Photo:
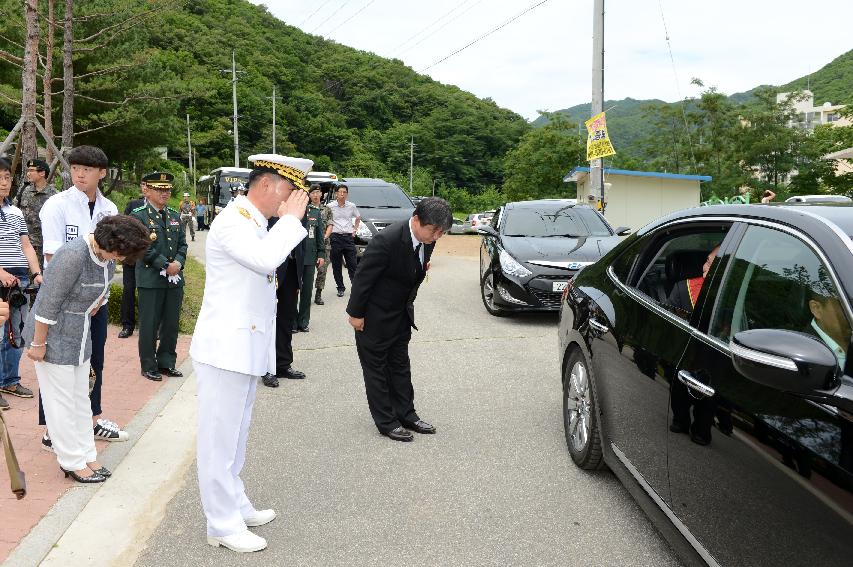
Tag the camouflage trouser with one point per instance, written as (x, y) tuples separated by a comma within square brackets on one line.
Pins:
[(320, 282), (187, 221)]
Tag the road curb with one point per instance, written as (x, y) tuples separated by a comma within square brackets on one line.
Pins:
[(147, 471)]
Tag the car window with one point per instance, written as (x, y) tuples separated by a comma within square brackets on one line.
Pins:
[(554, 220), (776, 281), (496, 219), (378, 197)]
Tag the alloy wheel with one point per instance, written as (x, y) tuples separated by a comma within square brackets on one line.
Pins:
[(578, 407)]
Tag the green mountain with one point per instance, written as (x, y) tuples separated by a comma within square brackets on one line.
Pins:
[(353, 112), (628, 127)]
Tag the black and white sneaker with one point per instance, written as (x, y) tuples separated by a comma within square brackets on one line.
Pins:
[(109, 431), (46, 443)]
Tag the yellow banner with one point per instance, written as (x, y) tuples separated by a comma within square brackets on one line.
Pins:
[(597, 142)]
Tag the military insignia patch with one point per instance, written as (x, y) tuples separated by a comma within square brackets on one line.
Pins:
[(153, 236)]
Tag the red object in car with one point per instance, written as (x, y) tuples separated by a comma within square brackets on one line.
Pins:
[(473, 222)]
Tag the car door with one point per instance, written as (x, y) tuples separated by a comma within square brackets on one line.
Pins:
[(637, 343), (764, 476)]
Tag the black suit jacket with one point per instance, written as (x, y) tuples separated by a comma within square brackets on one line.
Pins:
[(298, 256), (387, 281)]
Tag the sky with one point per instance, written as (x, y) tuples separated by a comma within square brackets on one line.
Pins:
[(543, 59)]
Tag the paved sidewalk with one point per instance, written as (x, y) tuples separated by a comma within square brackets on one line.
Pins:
[(125, 392)]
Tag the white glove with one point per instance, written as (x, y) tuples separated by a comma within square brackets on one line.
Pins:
[(172, 279)]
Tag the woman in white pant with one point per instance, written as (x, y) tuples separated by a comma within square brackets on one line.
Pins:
[(75, 283)]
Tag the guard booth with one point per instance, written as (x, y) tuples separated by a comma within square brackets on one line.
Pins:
[(635, 198)]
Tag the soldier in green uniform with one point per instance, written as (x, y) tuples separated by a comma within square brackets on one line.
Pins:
[(32, 197), (315, 252), (160, 279), (326, 217)]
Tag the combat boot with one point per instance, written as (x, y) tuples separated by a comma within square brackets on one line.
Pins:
[(318, 298)]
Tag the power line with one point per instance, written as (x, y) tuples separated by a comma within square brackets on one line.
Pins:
[(330, 18), (447, 23), (363, 8), (677, 88), (424, 29), (485, 35), (320, 7)]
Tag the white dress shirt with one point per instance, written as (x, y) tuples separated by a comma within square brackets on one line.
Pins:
[(415, 243)]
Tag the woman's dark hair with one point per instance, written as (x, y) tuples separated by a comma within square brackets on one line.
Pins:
[(123, 235), (766, 193), (88, 156)]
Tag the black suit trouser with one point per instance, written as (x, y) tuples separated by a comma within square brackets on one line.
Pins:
[(285, 318), (387, 378), (343, 251), (128, 296)]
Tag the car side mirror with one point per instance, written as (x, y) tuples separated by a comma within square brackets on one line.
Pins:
[(784, 360), (488, 230), (622, 231)]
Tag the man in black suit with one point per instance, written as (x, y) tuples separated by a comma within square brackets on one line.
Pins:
[(128, 280), (289, 276), (381, 310)]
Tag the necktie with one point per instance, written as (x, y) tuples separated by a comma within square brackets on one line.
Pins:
[(164, 217), (418, 254)]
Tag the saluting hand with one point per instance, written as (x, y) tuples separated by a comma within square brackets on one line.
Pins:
[(295, 205)]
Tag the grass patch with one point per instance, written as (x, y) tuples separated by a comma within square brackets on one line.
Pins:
[(193, 292)]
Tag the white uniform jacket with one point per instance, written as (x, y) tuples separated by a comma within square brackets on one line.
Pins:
[(235, 329), (65, 216)]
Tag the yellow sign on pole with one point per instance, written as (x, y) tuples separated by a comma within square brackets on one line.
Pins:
[(597, 142)]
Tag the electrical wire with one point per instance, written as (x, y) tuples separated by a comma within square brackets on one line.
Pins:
[(363, 8), (330, 18), (320, 7), (677, 88), (447, 23), (485, 35), (431, 24)]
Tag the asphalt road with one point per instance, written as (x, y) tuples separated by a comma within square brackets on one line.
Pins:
[(495, 486)]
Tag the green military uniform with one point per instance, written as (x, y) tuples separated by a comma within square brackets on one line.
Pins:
[(30, 200), (326, 217), (159, 299), (315, 247)]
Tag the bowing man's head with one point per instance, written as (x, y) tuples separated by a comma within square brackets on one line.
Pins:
[(431, 219)]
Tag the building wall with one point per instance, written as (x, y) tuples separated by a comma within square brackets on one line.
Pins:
[(636, 201)]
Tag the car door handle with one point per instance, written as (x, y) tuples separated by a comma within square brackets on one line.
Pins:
[(688, 380), (598, 327)]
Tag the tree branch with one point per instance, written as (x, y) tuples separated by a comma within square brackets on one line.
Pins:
[(121, 25), (10, 99), (103, 71), (127, 99), (101, 127), (11, 58)]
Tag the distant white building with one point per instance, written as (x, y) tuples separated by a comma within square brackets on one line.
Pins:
[(809, 115)]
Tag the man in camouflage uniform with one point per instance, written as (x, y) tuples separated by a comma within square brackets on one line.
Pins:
[(187, 209), (315, 252), (320, 283), (32, 197), (160, 279)]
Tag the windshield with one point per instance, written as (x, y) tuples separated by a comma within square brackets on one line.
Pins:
[(556, 220), (227, 181), (378, 197)]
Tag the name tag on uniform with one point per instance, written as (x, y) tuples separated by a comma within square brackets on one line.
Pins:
[(311, 231), (174, 223)]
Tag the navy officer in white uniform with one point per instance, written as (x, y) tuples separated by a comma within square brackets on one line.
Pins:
[(234, 339)]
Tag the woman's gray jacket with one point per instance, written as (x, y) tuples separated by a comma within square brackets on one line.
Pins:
[(75, 283)]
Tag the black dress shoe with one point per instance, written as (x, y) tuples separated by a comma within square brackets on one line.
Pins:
[(173, 372), (341, 292), (678, 427), (399, 434), (151, 375), (292, 374), (420, 426), (270, 380), (125, 332), (302, 329)]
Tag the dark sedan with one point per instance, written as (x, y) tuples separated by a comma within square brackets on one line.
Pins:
[(531, 249), (705, 361)]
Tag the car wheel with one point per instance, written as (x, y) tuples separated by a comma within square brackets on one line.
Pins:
[(580, 414), (487, 292)]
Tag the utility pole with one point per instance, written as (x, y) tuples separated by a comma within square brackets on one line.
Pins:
[(234, 96), (596, 166), (411, 163), (190, 152), (273, 119)]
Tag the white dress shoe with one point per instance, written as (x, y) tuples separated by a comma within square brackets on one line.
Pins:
[(243, 542), (259, 518)]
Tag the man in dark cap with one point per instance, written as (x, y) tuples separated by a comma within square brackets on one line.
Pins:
[(32, 197), (160, 279)]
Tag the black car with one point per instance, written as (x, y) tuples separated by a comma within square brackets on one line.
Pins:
[(531, 249), (380, 204), (723, 402)]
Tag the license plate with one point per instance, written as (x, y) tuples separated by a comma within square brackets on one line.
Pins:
[(559, 286)]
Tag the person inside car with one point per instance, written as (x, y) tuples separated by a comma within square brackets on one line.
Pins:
[(829, 324), (685, 293)]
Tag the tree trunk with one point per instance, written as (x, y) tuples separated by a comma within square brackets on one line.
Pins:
[(29, 146), (68, 84), (48, 75)]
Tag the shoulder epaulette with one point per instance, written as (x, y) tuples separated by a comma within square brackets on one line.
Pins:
[(142, 208), (171, 209)]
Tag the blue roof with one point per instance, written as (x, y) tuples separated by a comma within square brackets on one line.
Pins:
[(608, 171)]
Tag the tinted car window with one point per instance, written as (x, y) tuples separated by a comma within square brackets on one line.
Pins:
[(378, 197), (776, 281), (559, 220)]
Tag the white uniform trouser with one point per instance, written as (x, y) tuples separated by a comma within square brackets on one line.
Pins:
[(225, 401), (68, 412)]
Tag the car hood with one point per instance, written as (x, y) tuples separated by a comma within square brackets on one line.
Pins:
[(583, 249), (385, 215)]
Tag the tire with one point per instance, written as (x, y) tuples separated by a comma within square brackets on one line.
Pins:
[(487, 293), (580, 414)]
